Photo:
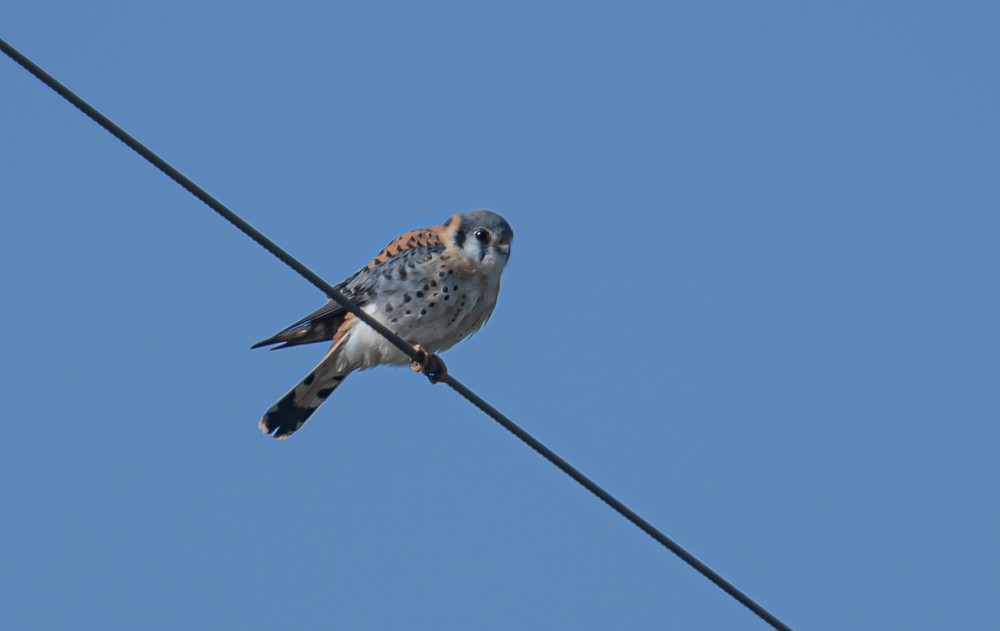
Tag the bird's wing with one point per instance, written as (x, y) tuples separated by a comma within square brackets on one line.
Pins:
[(403, 253)]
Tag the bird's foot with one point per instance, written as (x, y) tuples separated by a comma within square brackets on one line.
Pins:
[(430, 365)]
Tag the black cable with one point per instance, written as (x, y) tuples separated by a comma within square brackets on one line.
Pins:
[(208, 199), (616, 504), (397, 341)]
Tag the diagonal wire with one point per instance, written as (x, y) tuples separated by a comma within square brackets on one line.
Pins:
[(397, 341)]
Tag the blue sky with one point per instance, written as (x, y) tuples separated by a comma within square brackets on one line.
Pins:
[(753, 293)]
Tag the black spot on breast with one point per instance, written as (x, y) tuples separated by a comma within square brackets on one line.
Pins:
[(458, 312), (454, 287), (406, 298), (434, 283), (447, 297), (394, 320), (441, 274), (426, 286), (420, 294), (388, 308), (430, 304), (423, 312), (407, 312), (402, 273)]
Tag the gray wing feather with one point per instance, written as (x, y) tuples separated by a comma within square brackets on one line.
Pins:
[(321, 324), (385, 276)]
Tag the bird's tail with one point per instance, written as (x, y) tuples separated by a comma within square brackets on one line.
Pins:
[(292, 410)]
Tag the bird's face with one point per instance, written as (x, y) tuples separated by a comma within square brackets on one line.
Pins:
[(483, 237)]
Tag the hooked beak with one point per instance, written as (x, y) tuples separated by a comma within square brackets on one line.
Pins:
[(502, 247)]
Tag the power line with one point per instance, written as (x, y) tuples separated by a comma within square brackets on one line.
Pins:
[(397, 341)]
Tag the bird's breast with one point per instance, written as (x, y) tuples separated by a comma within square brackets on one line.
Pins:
[(436, 306)]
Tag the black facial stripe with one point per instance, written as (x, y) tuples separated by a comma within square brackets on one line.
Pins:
[(460, 239)]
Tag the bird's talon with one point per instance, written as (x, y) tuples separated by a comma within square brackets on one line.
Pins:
[(421, 364), (430, 365), (436, 370)]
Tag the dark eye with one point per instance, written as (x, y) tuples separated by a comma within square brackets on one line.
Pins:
[(482, 235)]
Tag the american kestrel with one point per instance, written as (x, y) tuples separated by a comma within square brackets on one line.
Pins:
[(433, 286)]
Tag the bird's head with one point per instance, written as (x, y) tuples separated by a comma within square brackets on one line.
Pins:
[(482, 236)]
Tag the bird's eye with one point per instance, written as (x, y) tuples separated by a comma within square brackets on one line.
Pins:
[(482, 235)]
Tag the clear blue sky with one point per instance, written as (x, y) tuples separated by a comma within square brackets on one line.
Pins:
[(754, 293)]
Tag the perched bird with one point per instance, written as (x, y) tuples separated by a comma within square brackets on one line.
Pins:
[(433, 286)]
